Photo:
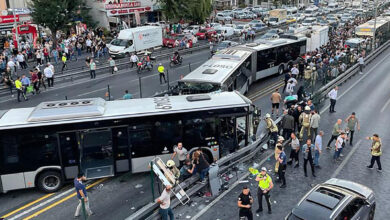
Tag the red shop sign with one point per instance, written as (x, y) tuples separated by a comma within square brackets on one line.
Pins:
[(8, 19), (123, 5)]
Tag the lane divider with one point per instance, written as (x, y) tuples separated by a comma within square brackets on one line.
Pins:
[(27, 205), (62, 200), (266, 90)]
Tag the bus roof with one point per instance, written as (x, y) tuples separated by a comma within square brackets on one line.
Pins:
[(367, 29), (217, 69), (94, 109)]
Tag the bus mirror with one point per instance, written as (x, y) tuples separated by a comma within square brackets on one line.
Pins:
[(257, 112)]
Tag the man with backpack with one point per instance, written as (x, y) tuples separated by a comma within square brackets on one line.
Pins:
[(305, 119)]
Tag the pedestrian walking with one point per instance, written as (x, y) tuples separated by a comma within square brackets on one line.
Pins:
[(277, 154), (376, 151), (318, 149), (282, 165), (315, 122), (20, 89), (48, 72), (35, 81), (296, 114), (287, 76), (276, 98), (245, 201), (81, 195), (333, 96), (127, 95), (294, 153), (287, 124), (335, 132), (361, 64), (41, 77), (92, 69), (112, 64), (308, 155), (290, 87), (265, 186), (25, 83), (295, 72), (181, 152), (64, 62), (161, 72), (352, 123), (134, 60), (339, 146)]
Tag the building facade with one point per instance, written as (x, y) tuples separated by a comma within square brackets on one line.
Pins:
[(113, 13)]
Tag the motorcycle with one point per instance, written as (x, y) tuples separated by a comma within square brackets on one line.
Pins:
[(175, 62), (143, 66)]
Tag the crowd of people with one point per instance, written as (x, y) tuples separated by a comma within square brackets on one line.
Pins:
[(42, 59)]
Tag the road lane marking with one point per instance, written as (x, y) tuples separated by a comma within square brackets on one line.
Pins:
[(353, 85), (87, 93), (340, 167), (384, 107), (272, 86), (204, 210), (267, 92), (45, 203), (27, 205)]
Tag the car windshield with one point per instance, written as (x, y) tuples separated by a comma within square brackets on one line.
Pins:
[(203, 31), (196, 88), (307, 21), (223, 45), (273, 19), (119, 42), (274, 31), (190, 28), (219, 31), (267, 35), (240, 27)]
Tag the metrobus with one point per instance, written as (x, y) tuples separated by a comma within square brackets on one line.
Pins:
[(48, 144), (236, 68), (367, 29)]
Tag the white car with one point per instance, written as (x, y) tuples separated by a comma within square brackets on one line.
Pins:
[(241, 28), (250, 15), (193, 29), (240, 15), (223, 17), (309, 21)]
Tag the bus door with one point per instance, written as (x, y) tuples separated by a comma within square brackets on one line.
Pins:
[(69, 154), (97, 158), (121, 149)]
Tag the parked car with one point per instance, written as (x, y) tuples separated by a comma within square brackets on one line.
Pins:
[(215, 25), (228, 13), (228, 32), (258, 27), (255, 22), (240, 15), (223, 17), (171, 39), (223, 45), (291, 19), (250, 15), (336, 199), (205, 33), (309, 21), (193, 29), (242, 28)]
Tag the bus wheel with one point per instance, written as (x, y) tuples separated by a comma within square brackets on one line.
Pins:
[(281, 70), (49, 181)]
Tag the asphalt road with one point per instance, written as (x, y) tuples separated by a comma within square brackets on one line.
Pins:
[(369, 96)]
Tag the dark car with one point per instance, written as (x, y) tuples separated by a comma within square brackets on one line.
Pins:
[(336, 199), (223, 45)]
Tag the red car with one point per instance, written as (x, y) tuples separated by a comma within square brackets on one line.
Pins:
[(205, 33), (170, 40)]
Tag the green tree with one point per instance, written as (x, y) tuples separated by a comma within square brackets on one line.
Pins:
[(195, 10), (56, 14), (172, 9), (199, 10)]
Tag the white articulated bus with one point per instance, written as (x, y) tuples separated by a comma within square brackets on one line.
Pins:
[(236, 68), (49, 144)]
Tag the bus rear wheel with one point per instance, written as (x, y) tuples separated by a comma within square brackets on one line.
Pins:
[(49, 181), (281, 70)]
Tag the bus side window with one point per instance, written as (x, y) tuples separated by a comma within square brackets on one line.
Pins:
[(227, 135), (166, 135), (141, 141), (9, 155), (241, 131)]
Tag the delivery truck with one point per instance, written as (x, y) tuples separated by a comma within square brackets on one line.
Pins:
[(277, 17), (135, 40)]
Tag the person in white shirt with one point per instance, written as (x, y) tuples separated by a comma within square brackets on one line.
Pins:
[(21, 60), (88, 43), (295, 72), (49, 75), (133, 60), (333, 96), (11, 64), (361, 63), (339, 146), (165, 204)]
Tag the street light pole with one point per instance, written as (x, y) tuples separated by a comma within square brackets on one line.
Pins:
[(16, 29), (374, 35)]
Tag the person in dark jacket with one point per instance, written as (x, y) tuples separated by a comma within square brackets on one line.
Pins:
[(201, 164), (296, 113), (287, 124)]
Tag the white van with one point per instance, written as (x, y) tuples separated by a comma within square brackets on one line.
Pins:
[(135, 39), (228, 32)]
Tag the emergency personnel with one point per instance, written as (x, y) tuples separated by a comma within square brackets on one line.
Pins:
[(376, 152), (272, 128), (265, 185), (175, 171), (305, 119), (245, 201), (161, 72)]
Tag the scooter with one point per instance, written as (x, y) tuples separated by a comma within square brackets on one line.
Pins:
[(178, 61), (143, 66)]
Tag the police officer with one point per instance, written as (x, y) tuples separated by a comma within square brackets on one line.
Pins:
[(265, 185), (282, 165), (245, 201), (161, 72)]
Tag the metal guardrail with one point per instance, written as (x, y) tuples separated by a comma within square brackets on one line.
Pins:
[(150, 211), (322, 93)]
